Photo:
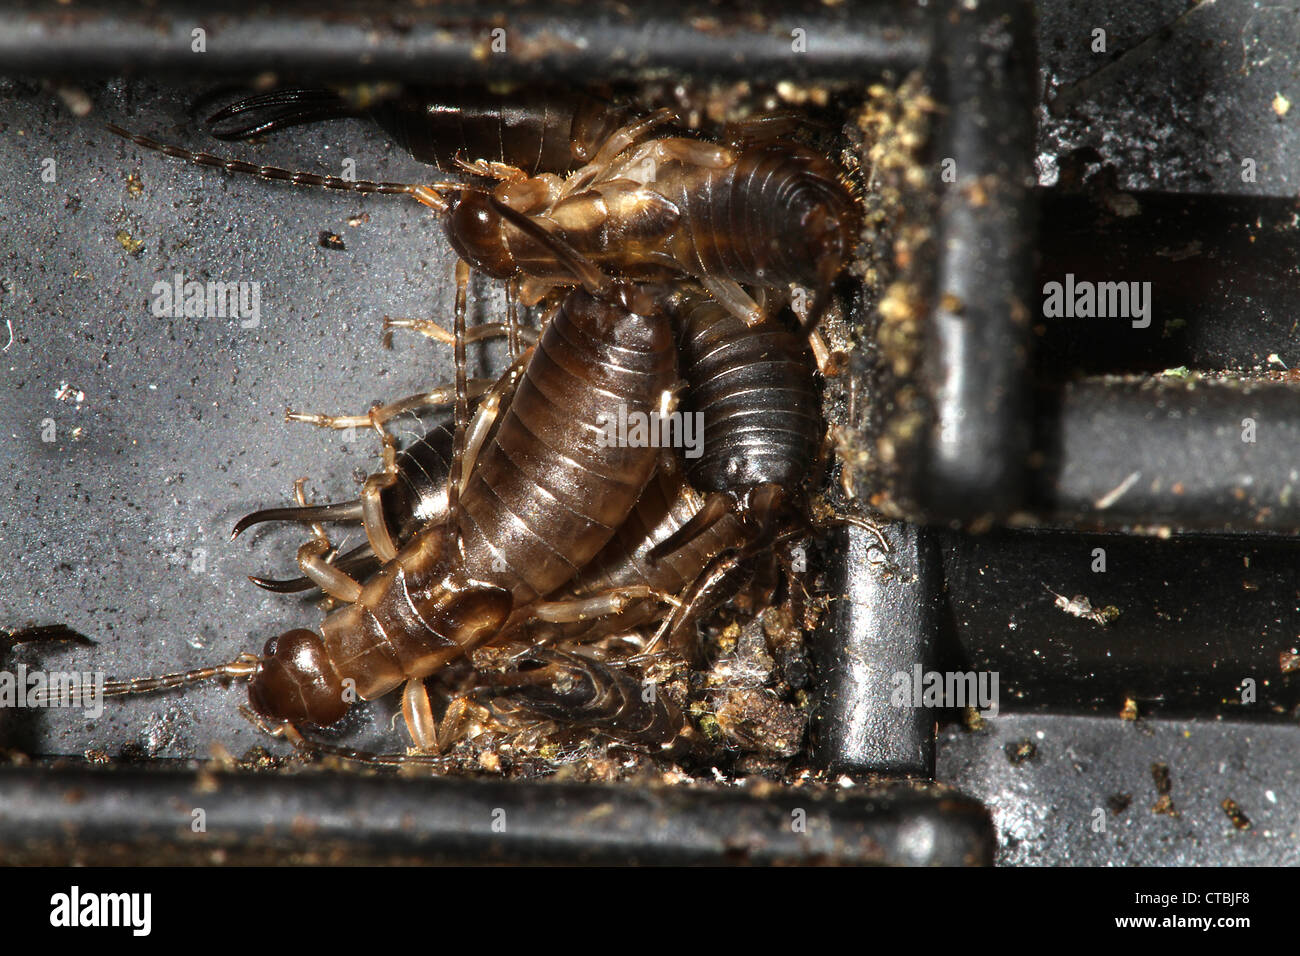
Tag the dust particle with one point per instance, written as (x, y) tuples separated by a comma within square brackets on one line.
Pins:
[(1239, 819), (129, 243)]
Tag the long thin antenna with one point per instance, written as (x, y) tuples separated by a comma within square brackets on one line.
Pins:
[(428, 195), (242, 667)]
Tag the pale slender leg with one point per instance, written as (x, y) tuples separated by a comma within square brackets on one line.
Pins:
[(418, 714), (734, 299), (439, 397), (475, 333), (602, 604), (313, 563)]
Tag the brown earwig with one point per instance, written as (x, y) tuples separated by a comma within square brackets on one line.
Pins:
[(653, 210), (644, 209), (543, 496), (529, 130)]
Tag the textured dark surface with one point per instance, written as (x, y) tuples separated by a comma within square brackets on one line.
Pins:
[(1199, 615), (99, 526), (180, 430), (884, 621), (1052, 782), (558, 40), (79, 816)]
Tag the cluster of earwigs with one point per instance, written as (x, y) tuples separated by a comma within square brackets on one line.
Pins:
[(665, 263)]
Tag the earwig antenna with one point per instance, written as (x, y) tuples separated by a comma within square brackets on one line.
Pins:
[(428, 195), (583, 269), (242, 667)]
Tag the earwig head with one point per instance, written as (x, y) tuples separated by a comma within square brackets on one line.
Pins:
[(297, 681), (474, 228)]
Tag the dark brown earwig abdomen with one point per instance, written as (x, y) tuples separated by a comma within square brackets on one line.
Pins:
[(777, 215), (548, 489), (419, 495), (667, 503), (757, 392), (535, 131)]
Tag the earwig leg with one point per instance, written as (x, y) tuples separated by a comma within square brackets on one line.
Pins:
[(485, 415), (716, 506), (856, 521), (418, 713), (436, 398), (698, 597), (603, 604), (626, 136), (475, 333), (490, 169), (372, 511), (459, 721), (359, 563), (327, 577), (825, 358), (317, 529), (734, 299), (693, 152)]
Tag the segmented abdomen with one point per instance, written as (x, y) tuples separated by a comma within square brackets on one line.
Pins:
[(548, 489), (758, 395), (777, 215), (536, 132), (667, 503)]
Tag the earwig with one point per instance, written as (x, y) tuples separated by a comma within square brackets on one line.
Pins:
[(530, 131), (766, 214), (656, 210), (755, 389), (577, 689), (543, 496)]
